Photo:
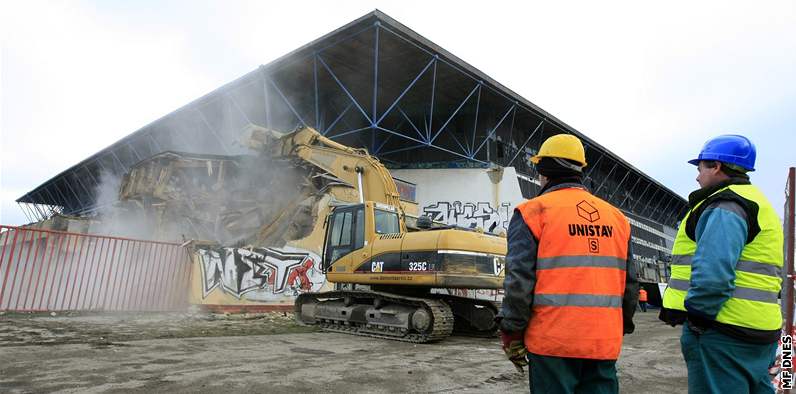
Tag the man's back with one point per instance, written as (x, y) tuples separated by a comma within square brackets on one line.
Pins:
[(581, 268)]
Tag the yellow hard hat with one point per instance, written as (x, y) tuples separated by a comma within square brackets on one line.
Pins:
[(564, 146)]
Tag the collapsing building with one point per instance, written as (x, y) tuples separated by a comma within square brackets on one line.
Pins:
[(459, 139)]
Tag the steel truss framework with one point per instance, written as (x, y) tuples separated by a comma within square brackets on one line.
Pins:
[(374, 84)]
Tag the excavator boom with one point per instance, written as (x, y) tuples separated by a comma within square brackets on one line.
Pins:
[(354, 166)]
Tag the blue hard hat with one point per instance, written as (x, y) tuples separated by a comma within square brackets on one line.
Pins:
[(731, 149)]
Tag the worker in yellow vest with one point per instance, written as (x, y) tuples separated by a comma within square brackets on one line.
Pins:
[(570, 287), (726, 264)]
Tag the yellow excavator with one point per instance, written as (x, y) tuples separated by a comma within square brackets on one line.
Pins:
[(385, 270)]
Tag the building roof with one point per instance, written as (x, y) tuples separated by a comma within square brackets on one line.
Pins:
[(373, 83)]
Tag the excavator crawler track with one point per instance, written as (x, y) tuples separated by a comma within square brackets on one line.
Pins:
[(472, 317), (377, 315)]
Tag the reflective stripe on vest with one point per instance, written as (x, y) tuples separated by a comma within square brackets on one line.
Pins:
[(581, 261), (578, 300), (743, 293), (753, 302), (744, 266), (580, 275)]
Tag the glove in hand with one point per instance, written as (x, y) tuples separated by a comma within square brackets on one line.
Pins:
[(514, 348)]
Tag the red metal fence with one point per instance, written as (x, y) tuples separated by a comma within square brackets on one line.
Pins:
[(790, 237), (43, 270)]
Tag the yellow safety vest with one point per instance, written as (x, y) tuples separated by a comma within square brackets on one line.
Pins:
[(753, 303)]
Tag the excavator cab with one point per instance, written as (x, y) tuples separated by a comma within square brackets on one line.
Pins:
[(345, 233), (352, 229)]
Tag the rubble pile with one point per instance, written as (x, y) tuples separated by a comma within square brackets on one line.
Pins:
[(231, 200)]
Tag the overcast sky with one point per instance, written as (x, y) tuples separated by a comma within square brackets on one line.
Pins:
[(649, 81)]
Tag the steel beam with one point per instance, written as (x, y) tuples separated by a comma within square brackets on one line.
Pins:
[(80, 182), (411, 123), (619, 186), (119, 162), (209, 128), (135, 152), (345, 90), (663, 211), (633, 208), (288, 102), (66, 201), (433, 92), (375, 73), (152, 141), (265, 79), (404, 149), (654, 208), (406, 90), (315, 81), (454, 113), (594, 166), (378, 149), (520, 149), (646, 206), (511, 126), (494, 129), (25, 211), (237, 106), (331, 126), (431, 145), (350, 132), (630, 191), (475, 123), (606, 178), (456, 140)]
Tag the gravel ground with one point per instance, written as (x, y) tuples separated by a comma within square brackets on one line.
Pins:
[(185, 352)]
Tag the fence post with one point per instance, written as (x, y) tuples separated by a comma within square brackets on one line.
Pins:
[(788, 303), (788, 290)]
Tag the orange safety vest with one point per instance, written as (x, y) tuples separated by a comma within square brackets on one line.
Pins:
[(642, 295), (580, 275)]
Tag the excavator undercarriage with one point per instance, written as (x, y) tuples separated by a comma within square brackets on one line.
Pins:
[(397, 317)]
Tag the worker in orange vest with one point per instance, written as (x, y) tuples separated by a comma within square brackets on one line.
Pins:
[(570, 287), (642, 299)]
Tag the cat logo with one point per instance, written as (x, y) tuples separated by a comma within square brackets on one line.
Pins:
[(377, 266)]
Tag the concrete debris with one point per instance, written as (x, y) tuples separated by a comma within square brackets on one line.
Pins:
[(230, 200)]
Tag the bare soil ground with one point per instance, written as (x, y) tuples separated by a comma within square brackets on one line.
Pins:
[(184, 352)]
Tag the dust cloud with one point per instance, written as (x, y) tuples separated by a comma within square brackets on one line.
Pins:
[(207, 184)]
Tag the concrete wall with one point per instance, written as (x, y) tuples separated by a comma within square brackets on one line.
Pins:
[(226, 277)]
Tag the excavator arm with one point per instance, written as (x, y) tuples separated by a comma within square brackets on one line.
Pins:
[(351, 165)]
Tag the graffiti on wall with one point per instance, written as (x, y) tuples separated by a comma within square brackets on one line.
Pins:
[(480, 294), (470, 214), (261, 274)]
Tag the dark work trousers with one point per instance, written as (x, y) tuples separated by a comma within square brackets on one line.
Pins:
[(718, 363), (571, 375), (643, 305)]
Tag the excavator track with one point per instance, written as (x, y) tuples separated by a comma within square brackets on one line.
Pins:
[(472, 317), (377, 315)]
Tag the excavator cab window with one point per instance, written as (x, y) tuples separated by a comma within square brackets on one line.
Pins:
[(387, 222), (345, 233)]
